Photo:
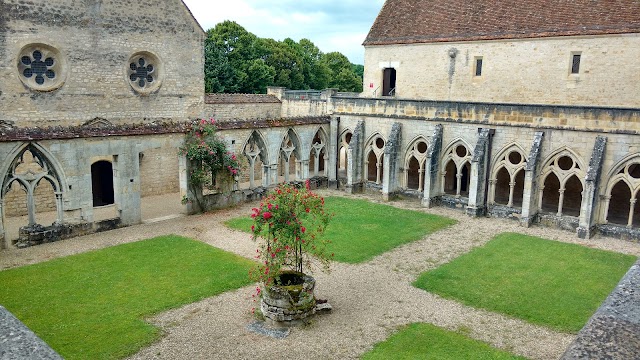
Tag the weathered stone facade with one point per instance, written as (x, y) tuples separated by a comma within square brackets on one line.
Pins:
[(523, 71)]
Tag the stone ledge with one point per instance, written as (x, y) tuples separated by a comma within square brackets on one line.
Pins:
[(18, 342), (614, 330), (170, 127)]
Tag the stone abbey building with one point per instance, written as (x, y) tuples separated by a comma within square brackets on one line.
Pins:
[(527, 110)]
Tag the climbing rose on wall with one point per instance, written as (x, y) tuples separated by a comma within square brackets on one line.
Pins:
[(208, 153)]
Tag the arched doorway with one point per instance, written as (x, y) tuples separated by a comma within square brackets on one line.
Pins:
[(102, 183)]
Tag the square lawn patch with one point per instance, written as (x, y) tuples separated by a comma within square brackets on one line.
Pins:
[(92, 305), (544, 282), (426, 341), (361, 230)]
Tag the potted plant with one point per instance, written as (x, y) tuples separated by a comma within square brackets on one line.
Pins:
[(289, 224)]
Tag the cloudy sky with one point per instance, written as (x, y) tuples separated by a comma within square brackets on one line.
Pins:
[(333, 25)]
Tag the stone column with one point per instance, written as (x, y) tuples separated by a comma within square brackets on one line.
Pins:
[(331, 154), (587, 226), (529, 200), (59, 205), (186, 191), (391, 160), (432, 168), (31, 204), (127, 186), (273, 174), (355, 163), (4, 240), (304, 169), (479, 169)]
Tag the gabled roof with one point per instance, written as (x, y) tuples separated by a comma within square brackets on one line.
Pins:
[(427, 21)]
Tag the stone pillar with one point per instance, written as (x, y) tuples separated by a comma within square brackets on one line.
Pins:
[(391, 181), (31, 203), (587, 226), (266, 175), (127, 187), (273, 174), (432, 168), (477, 205), (59, 210), (4, 240), (186, 190), (529, 198), (355, 164), (304, 169), (331, 153)]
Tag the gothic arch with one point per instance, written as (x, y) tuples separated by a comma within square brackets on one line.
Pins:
[(318, 160), (374, 157), (562, 172), (290, 148), (506, 184), (256, 152), (42, 166), (456, 168), (415, 163), (343, 151), (622, 192)]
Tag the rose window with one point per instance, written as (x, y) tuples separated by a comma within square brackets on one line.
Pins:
[(41, 67), (36, 66), (143, 72)]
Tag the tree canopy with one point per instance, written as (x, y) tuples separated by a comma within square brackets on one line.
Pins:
[(237, 61)]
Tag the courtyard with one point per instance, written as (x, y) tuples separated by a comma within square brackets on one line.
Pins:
[(370, 299)]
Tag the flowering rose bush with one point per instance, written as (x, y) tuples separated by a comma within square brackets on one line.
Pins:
[(290, 221), (210, 155)]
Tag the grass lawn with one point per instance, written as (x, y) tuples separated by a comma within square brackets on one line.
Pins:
[(92, 305), (361, 229), (541, 281), (426, 341)]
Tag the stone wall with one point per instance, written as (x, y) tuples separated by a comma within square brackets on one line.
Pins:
[(532, 71), (595, 119), (296, 108), (226, 107), (612, 332), (159, 168), (91, 46)]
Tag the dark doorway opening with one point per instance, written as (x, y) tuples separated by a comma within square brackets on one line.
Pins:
[(102, 183), (389, 82)]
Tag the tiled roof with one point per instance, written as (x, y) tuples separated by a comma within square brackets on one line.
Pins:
[(425, 21), (239, 99)]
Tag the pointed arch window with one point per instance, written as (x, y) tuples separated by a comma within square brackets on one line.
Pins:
[(29, 168)]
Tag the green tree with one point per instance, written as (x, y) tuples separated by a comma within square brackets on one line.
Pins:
[(237, 61), (343, 76)]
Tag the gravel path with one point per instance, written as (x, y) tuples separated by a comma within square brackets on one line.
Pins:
[(369, 300)]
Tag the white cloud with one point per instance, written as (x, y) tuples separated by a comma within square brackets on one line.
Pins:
[(333, 25)]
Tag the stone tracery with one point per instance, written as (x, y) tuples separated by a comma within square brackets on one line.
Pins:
[(562, 184), (456, 169), (506, 185), (374, 157), (414, 164), (622, 192)]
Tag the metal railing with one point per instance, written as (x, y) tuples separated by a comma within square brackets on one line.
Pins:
[(303, 95)]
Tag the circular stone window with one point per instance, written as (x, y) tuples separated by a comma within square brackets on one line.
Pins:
[(144, 72), (41, 67)]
